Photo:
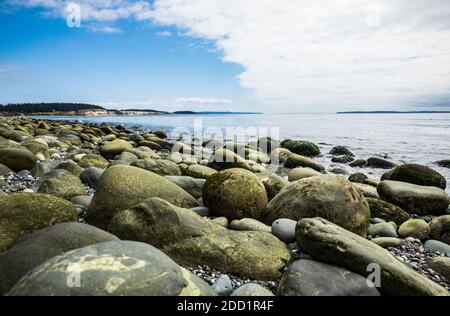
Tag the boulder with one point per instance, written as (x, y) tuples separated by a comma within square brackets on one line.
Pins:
[(199, 171), (367, 190), (300, 147), (17, 159), (341, 151), (249, 224), (301, 173), (328, 196), (118, 268), (116, 147), (223, 159), (357, 177), (387, 211), (441, 265), (191, 185), (91, 176), (92, 160), (121, 187), (61, 183), (416, 228), (376, 162), (414, 199), (31, 250), (440, 228), (444, 163), (333, 244), (312, 278), (71, 166), (22, 213), (160, 166), (437, 246), (416, 174), (267, 144), (192, 240), (387, 242), (235, 193), (294, 160), (272, 182)]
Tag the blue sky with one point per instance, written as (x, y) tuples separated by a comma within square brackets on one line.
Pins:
[(288, 56)]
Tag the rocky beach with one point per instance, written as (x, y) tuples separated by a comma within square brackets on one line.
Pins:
[(105, 209)]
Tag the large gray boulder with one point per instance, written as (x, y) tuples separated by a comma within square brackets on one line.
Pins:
[(31, 250), (328, 196), (312, 278), (415, 199), (333, 244), (111, 268), (192, 240), (121, 187)]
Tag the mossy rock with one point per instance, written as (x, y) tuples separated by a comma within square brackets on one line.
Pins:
[(17, 159), (121, 187), (414, 199), (32, 249), (341, 151), (223, 159), (416, 174), (301, 147), (61, 183), (294, 161), (440, 228), (70, 166), (118, 268), (161, 166), (387, 211), (193, 240), (193, 186), (328, 196), (22, 213), (199, 171), (235, 193), (272, 182), (116, 147), (92, 160)]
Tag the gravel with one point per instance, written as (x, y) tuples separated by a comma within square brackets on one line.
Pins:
[(17, 182), (416, 256), (211, 276)]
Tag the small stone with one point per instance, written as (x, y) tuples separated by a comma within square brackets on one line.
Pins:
[(284, 229), (223, 285)]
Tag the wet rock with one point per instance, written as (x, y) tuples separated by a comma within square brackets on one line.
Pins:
[(332, 244), (376, 162), (341, 151), (416, 228), (416, 174), (440, 228), (192, 240), (121, 187), (31, 250), (22, 213), (328, 196), (223, 194), (312, 278), (387, 211), (299, 147), (112, 268), (414, 199)]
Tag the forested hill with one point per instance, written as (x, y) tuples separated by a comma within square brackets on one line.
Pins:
[(47, 107)]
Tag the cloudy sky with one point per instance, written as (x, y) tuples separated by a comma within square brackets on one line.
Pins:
[(261, 55)]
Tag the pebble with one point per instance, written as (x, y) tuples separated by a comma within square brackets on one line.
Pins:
[(211, 276)]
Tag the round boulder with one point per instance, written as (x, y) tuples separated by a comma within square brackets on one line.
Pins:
[(440, 228), (235, 193), (22, 213), (31, 250), (116, 268), (416, 174), (328, 196), (121, 187), (416, 228), (17, 159)]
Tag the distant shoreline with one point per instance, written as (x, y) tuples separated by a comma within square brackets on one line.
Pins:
[(394, 112)]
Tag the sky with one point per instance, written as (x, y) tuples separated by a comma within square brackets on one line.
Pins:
[(303, 56)]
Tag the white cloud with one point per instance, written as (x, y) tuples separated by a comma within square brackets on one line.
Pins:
[(312, 54)]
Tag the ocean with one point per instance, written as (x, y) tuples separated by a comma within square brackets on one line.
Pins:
[(401, 138)]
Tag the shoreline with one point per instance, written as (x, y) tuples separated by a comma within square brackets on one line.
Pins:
[(81, 153)]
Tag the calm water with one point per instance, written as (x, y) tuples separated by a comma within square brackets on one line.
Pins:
[(404, 138)]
